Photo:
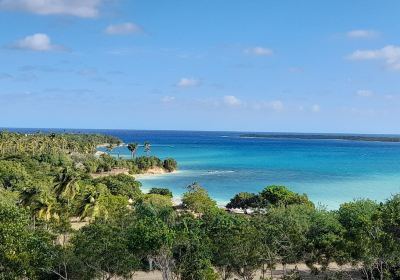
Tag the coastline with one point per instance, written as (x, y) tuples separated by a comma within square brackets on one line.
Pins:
[(154, 173)]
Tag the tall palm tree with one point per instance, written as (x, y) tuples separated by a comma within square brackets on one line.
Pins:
[(132, 147), (41, 204), (147, 147), (65, 184), (91, 205)]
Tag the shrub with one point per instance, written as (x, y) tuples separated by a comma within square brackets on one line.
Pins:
[(161, 191), (170, 164)]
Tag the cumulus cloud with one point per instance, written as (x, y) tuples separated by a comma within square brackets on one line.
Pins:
[(259, 51), (123, 29), (315, 108), (362, 34), (389, 54), (231, 100), (78, 8), (36, 42), (188, 82), (365, 93)]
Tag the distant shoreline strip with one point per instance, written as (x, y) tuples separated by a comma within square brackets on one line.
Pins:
[(324, 137)]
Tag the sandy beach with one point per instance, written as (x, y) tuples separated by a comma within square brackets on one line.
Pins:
[(277, 272), (152, 172)]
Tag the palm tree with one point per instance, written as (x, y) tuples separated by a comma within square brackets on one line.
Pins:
[(40, 203), (147, 147), (132, 147), (65, 184), (91, 205)]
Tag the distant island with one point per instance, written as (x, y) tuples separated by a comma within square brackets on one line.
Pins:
[(306, 136)]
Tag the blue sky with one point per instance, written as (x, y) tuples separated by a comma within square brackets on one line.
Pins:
[(314, 66)]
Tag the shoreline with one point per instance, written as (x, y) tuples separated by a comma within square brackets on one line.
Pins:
[(154, 173), (151, 173)]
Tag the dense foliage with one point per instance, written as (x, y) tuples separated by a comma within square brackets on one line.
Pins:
[(58, 222), (161, 191), (41, 143), (270, 196)]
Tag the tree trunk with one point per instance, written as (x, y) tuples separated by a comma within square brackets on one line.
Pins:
[(150, 260)]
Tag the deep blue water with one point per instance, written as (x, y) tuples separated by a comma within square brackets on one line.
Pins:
[(330, 172)]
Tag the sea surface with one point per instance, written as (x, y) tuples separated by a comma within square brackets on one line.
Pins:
[(330, 172)]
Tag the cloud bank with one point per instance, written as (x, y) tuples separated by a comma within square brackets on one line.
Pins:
[(78, 8)]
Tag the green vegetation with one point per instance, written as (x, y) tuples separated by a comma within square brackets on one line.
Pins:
[(161, 191), (197, 200), (40, 143), (58, 222), (132, 147), (147, 148), (270, 196), (121, 184)]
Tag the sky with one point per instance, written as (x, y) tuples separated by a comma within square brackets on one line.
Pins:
[(276, 65)]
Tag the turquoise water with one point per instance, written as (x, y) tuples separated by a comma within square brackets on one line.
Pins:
[(330, 172)]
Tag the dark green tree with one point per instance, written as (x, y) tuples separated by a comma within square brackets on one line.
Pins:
[(281, 195), (132, 147), (102, 250), (161, 191), (244, 200), (24, 252), (147, 147), (152, 239), (197, 199)]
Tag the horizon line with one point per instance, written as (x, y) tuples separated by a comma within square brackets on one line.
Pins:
[(188, 130)]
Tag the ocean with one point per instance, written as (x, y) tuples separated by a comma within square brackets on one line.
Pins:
[(330, 172)]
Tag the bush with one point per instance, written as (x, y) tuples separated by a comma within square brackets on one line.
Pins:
[(170, 164), (244, 200), (161, 191), (198, 200), (121, 184), (13, 175), (281, 195), (145, 163)]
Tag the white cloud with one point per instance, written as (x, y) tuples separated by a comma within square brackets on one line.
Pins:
[(167, 99), (231, 100), (362, 34), (365, 93), (188, 82), (389, 54), (277, 105), (315, 108), (78, 8), (36, 42), (259, 51), (123, 29)]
